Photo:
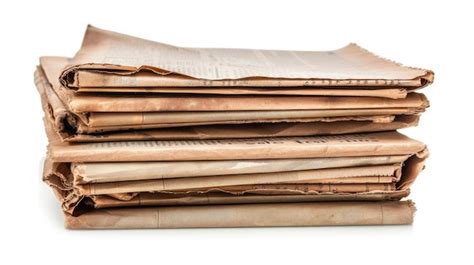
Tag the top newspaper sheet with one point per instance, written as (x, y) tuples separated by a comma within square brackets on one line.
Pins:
[(109, 59)]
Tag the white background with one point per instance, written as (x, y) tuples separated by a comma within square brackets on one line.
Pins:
[(422, 34)]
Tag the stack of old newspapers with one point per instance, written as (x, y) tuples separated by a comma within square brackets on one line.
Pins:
[(148, 135)]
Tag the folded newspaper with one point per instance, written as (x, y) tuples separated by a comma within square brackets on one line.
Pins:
[(217, 93), (147, 135)]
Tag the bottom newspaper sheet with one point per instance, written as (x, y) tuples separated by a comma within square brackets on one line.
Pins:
[(248, 215)]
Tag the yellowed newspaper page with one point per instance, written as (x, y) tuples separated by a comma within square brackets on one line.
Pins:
[(74, 127), (350, 66), (126, 171), (248, 215), (308, 91), (213, 198), (370, 144), (207, 182)]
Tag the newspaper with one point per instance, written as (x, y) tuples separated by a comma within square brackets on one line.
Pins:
[(307, 91), (357, 145), (109, 59), (208, 182), (129, 171), (73, 126), (73, 198), (366, 157), (219, 198), (235, 131), (151, 103), (148, 135), (247, 215)]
